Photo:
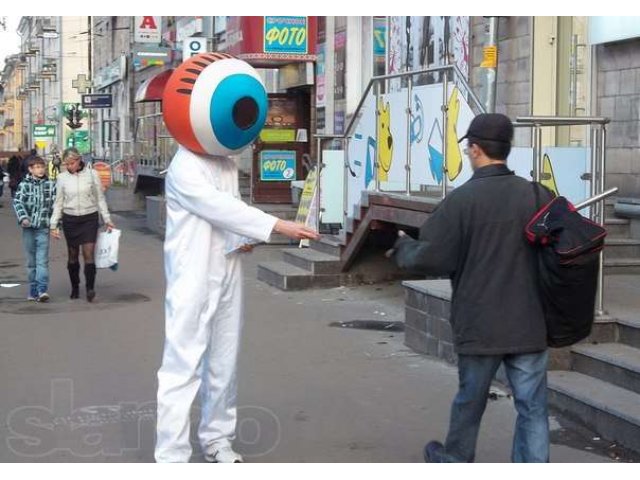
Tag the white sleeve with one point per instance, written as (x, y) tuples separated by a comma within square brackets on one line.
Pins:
[(221, 209), (57, 204)]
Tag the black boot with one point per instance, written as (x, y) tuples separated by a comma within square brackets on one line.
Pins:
[(74, 276), (90, 278)]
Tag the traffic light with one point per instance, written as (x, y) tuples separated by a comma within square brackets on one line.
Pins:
[(74, 114)]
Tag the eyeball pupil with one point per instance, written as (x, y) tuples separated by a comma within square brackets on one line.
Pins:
[(245, 113)]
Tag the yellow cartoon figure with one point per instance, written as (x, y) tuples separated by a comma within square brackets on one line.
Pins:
[(454, 155), (384, 141), (548, 178)]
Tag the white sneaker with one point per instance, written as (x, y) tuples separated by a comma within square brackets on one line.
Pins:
[(43, 297), (222, 454)]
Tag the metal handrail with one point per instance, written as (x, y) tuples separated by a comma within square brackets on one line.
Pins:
[(346, 136), (547, 121)]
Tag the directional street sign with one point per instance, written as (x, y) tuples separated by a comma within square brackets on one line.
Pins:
[(97, 100)]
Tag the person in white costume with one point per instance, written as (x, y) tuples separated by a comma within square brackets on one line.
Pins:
[(207, 232)]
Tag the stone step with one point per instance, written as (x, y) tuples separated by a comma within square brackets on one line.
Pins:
[(285, 276), (283, 211), (312, 260), (613, 412), (617, 227), (617, 247), (621, 266), (629, 332), (329, 244), (279, 239), (615, 363)]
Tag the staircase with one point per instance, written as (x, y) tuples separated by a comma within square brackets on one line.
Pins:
[(598, 381), (622, 253), (333, 262)]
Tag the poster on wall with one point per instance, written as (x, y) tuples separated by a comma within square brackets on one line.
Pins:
[(277, 165), (419, 42), (321, 96)]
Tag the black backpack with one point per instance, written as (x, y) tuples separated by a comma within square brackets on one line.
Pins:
[(568, 247)]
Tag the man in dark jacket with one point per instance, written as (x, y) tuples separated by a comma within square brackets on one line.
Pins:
[(476, 238)]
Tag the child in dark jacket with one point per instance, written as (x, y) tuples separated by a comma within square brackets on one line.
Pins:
[(33, 204)]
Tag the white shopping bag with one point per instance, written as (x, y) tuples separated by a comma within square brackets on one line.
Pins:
[(107, 249)]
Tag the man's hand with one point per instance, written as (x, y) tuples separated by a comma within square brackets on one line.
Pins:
[(296, 231), (389, 253), (25, 223), (247, 248), (109, 226), (55, 233)]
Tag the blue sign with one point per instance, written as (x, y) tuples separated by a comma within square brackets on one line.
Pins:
[(286, 35), (277, 165), (96, 100)]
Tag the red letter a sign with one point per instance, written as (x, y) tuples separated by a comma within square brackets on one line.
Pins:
[(148, 22)]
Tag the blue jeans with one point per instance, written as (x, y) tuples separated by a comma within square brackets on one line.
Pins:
[(36, 249), (527, 375)]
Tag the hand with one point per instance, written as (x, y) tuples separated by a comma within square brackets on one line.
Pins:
[(25, 223), (389, 253), (247, 248), (296, 231), (109, 226), (55, 233)]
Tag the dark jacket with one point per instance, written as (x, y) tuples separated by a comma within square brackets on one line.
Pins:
[(476, 238)]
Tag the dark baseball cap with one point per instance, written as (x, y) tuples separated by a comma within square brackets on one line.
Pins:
[(493, 127)]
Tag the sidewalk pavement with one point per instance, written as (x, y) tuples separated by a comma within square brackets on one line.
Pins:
[(309, 392)]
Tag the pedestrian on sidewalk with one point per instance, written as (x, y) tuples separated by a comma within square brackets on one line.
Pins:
[(78, 202), (1, 184), (13, 169), (33, 203), (207, 229), (476, 238)]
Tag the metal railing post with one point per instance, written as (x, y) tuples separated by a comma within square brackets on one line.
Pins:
[(407, 165), (319, 172), (593, 182), (601, 213), (345, 192), (445, 119), (376, 164)]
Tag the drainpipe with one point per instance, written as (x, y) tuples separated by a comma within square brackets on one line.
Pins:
[(490, 63)]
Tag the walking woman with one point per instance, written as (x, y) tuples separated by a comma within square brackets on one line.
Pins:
[(79, 199)]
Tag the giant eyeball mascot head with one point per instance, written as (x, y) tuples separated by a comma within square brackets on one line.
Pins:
[(214, 104)]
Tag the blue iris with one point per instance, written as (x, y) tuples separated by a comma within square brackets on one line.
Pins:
[(238, 110)]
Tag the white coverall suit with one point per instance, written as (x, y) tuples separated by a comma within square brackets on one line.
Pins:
[(203, 307)]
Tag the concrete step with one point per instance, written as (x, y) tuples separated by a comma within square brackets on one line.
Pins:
[(629, 332), (312, 260), (621, 266), (618, 227), (283, 211), (329, 244), (615, 363), (279, 239), (618, 247), (285, 276), (611, 411)]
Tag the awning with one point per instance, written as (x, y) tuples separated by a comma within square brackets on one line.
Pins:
[(151, 90)]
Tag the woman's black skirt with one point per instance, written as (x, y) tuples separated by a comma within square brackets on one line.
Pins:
[(81, 229)]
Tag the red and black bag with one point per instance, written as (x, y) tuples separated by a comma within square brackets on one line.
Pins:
[(568, 261)]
